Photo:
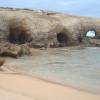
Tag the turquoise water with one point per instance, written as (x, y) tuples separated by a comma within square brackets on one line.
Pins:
[(77, 67)]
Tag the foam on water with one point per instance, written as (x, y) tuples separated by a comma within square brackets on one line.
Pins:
[(75, 67)]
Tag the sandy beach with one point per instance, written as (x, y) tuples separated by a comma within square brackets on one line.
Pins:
[(48, 54), (15, 86)]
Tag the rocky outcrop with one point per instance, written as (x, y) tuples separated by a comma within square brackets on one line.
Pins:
[(13, 50), (23, 29)]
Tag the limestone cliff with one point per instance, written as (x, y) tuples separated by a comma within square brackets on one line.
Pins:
[(24, 28)]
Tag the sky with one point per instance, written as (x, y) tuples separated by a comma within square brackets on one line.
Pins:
[(74, 7)]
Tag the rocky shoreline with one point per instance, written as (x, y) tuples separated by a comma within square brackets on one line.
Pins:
[(24, 29)]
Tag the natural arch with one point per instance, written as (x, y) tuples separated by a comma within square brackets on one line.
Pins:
[(91, 33)]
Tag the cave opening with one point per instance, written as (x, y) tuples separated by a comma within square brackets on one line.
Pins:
[(91, 33), (19, 36), (62, 39)]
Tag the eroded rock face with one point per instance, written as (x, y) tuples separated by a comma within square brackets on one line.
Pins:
[(22, 29)]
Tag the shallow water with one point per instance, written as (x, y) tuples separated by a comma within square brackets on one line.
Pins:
[(77, 67)]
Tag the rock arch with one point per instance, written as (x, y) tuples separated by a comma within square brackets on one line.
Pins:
[(91, 33)]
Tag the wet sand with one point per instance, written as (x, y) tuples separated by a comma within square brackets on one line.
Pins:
[(15, 86)]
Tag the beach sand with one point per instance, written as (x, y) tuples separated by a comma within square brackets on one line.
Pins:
[(15, 86)]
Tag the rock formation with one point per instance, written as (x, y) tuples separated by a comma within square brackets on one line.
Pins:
[(1, 64), (24, 28)]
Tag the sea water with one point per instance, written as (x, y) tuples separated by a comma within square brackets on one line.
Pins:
[(76, 67)]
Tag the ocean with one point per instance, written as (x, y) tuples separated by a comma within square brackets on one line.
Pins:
[(75, 67)]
